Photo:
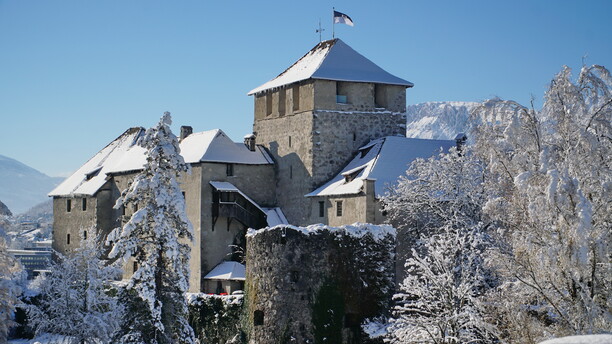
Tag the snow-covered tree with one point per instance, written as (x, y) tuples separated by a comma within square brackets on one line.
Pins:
[(156, 237), (9, 290), (75, 297), (550, 177), (441, 299)]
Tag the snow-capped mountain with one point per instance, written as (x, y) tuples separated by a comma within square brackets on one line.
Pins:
[(439, 120), (22, 187)]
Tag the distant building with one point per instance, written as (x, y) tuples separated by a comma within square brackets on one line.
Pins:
[(33, 261), (328, 139)]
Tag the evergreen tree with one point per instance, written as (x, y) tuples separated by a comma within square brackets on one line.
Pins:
[(75, 297), (156, 237)]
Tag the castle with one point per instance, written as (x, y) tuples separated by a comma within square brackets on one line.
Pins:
[(328, 139)]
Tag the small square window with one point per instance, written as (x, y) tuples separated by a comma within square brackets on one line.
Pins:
[(338, 208)]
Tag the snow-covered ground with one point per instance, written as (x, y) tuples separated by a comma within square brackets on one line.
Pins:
[(586, 339)]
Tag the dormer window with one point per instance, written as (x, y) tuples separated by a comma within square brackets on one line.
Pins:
[(93, 173), (350, 175)]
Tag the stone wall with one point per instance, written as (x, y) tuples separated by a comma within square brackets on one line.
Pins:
[(317, 282), (310, 148), (338, 135), (71, 223), (289, 141)]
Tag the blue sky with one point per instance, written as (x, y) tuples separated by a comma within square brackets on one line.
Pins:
[(75, 74)]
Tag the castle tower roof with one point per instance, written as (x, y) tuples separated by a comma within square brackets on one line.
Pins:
[(332, 60)]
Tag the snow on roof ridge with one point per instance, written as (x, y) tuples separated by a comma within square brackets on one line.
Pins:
[(332, 60)]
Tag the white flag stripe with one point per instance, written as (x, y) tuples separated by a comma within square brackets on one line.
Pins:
[(341, 18)]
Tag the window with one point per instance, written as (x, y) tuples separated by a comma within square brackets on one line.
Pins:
[(68, 239), (296, 97), (289, 141), (380, 95), (229, 170), (258, 318), (341, 93), (281, 102), (135, 207), (123, 209), (68, 205), (134, 267), (268, 104), (354, 136), (183, 193), (84, 235), (84, 204), (321, 209), (338, 208)]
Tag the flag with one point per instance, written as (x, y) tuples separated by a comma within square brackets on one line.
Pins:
[(340, 17)]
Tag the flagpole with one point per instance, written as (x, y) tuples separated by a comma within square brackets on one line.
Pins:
[(333, 23)]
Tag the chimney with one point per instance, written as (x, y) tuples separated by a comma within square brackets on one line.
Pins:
[(185, 131), (249, 141), (460, 140)]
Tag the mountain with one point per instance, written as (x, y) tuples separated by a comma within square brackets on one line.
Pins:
[(22, 187), (4, 210), (439, 120)]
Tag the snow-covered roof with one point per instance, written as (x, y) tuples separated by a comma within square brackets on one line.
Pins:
[(275, 217), (123, 155), (215, 146), (229, 187), (227, 271), (332, 60), (383, 160)]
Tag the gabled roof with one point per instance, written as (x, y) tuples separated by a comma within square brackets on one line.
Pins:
[(227, 271), (216, 146), (123, 155), (383, 160), (332, 60)]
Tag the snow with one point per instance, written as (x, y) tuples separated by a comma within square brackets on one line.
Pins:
[(387, 159), (197, 298), (356, 230), (227, 271), (123, 155), (585, 339), (439, 120), (275, 217), (216, 146), (332, 60)]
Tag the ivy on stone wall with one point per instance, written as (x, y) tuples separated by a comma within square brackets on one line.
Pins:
[(216, 319)]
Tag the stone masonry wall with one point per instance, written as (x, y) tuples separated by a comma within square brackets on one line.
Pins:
[(338, 135), (289, 140), (307, 284)]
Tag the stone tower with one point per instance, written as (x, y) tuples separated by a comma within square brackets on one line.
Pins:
[(315, 116)]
